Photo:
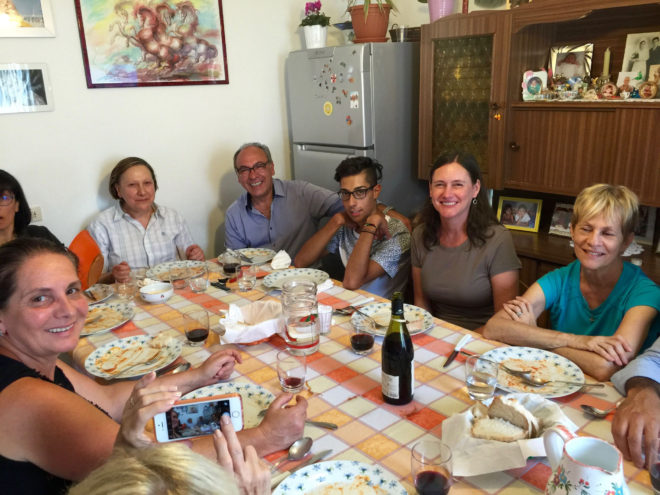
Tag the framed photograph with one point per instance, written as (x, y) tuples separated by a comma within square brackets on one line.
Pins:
[(561, 219), (25, 88), (474, 5), (534, 82), (31, 18), (627, 81), (519, 213), (646, 227), (571, 61), (137, 43), (642, 51)]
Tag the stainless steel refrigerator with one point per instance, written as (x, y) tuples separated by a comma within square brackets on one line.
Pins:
[(357, 100)]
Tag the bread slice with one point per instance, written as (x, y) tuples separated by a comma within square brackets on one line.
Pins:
[(497, 429), (510, 410)]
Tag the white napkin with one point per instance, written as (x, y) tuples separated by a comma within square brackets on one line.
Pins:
[(474, 456), (147, 281), (328, 284), (281, 260), (256, 321)]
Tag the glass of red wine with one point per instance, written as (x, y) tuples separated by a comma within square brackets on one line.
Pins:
[(231, 265), (431, 467), (196, 327), (362, 336), (291, 370)]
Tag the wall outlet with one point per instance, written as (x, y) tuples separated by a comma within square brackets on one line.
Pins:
[(36, 214)]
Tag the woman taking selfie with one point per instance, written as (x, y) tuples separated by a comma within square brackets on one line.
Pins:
[(602, 311), (57, 424), (464, 265)]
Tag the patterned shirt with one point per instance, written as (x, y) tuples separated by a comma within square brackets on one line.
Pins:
[(646, 365), (393, 255), (122, 238)]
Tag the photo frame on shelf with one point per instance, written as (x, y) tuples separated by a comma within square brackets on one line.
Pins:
[(627, 81), (534, 82), (519, 213), (561, 219), (120, 49), (25, 88), (571, 61), (642, 50), (28, 18), (646, 226)]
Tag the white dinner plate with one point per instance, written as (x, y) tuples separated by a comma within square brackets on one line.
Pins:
[(129, 352), (346, 476), (110, 316), (276, 279), (101, 292), (162, 271), (418, 320), (259, 256), (255, 398), (544, 364)]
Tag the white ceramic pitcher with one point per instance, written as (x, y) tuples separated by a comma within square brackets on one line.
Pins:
[(582, 465)]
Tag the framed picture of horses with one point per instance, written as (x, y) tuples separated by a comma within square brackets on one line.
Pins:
[(127, 43)]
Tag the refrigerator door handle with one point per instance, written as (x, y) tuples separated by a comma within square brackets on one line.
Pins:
[(339, 150)]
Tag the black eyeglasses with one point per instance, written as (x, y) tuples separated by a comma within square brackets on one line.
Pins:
[(6, 199), (358, 193), (256, 168)]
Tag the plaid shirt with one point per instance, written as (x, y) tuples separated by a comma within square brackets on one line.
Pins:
[(122, 238)]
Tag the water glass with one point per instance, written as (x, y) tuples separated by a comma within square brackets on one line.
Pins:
[(199, 279), (291, 371), (325, 319), (362, 336), (480, 377), (300, 310), (247, 277), (127, 289), (179, 276), (430, 463), (196, 327)]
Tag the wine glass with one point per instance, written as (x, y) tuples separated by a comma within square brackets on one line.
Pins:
[(430, 462)]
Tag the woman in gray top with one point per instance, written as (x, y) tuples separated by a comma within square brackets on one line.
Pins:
[(464, 264)]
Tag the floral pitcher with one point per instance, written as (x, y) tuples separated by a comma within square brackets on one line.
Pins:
[(582, 465)]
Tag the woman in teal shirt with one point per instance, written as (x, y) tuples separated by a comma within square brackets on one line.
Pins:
[(602, 311)]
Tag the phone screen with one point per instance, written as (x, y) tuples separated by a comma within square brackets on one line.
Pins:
[(193, 420)]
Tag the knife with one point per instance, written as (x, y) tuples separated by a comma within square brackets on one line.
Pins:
[(315, 458), (464, 340)]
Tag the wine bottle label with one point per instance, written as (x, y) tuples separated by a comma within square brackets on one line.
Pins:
[(390, 386)]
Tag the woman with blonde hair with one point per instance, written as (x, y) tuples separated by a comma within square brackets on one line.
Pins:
[(602, 311)]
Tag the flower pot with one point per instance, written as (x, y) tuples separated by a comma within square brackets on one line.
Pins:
[(374, 28), (440, 8), (315, 36)]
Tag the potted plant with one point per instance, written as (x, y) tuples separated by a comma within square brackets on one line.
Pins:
[(315, 25), (370, 19)]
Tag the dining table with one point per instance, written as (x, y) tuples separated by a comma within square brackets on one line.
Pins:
[(345, 388)]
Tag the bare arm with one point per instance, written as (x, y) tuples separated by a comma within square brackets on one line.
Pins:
[(505, 288), (314, 248), (420, 298)]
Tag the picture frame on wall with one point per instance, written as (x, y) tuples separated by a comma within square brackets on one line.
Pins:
[(519, 213), (25, 88), (571, 61), (646, 226), (642, 50), (120, 47), (27, 18), (561, 219)]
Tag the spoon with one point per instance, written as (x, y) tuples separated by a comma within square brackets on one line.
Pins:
[(599, 413), (297, 451), (537, 382)]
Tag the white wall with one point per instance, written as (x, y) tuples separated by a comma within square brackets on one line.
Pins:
[(188, 133)]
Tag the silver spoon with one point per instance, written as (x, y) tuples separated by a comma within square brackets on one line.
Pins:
[(599, 413), (297, 451), (537, 382)]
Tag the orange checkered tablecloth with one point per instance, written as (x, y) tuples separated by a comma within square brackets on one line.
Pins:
[(344, 388)]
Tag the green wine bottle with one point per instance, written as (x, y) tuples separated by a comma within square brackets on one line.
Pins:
[(398, 376)]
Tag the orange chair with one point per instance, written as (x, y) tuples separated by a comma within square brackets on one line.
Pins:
[(90, 264)]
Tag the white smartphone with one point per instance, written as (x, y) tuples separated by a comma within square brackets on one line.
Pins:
[(198, 417)]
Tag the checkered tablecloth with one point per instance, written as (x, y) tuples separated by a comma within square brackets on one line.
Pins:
[(344, 388)]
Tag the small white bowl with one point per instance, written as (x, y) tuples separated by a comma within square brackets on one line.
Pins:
[(157, 293)]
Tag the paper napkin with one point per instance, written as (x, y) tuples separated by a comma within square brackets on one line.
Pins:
[(253, 322), (281, 260)]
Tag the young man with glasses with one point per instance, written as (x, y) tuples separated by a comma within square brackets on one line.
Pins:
[(374, 248)]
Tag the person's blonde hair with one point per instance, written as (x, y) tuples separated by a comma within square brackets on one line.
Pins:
[(171, 469), (614, 202)]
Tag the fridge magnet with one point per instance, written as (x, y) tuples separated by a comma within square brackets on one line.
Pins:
[(351, 79), (519, 213), (561, 219), (333, 78), (571, 61), (337, 100), (642, 50), (355, 99), (25, 88), (646, 225), (348, 120), (27, 18), (648, 90), (534, 82), (327, 108), (137, 43)]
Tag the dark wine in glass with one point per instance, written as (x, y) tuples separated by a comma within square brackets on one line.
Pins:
[(293, 382), (197, 334), (432, 483), (362, 342), (231, 269)]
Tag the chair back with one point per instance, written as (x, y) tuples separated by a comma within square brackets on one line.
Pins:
[(90, 265)]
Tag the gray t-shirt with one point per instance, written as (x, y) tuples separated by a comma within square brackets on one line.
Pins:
[(456, 280)]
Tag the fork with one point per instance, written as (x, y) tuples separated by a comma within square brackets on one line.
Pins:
[(360, 312), (320, 424), (152, 361), (240, 255)]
